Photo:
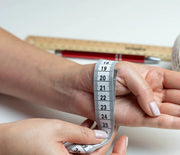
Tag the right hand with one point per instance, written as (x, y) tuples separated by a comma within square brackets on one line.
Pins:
[(45, 137), (119, 148)]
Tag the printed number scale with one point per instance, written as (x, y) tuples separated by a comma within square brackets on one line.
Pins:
[(104, 100), (48, 43)]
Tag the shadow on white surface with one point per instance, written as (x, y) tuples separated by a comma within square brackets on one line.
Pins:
[(142, 141), (13, 109)]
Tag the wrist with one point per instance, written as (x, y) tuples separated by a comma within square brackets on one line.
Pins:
[(74, 89), (62, 77), (54, 88)]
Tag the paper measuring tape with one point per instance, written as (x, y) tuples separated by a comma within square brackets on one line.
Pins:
[(104, 98), (49, 43)]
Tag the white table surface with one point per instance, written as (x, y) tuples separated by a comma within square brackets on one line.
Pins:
[(154, 22)]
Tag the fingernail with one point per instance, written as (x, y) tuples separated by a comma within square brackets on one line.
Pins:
[(154, 109), (126, 141), (100, 134)]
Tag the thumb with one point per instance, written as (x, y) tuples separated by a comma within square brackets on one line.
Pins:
[(82, 135), (130, 78), (120, 146)]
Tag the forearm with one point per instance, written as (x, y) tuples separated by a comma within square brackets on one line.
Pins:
[(30, 73)]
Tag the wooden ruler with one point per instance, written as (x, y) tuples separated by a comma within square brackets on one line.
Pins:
[(49, 43)]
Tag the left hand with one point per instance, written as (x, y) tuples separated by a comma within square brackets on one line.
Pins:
[(137, 86), (67, 86)]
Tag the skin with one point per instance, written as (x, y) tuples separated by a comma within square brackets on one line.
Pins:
[(52, 81), (46, 137), (119, 148), (67, 86), (137, 86), (21, 137)]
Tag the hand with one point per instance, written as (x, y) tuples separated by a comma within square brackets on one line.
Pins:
[(119, 147), (138, 86), (45, 136), (67, 86)]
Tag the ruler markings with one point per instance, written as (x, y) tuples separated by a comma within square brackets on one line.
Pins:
[(49, 43), (104, 107)]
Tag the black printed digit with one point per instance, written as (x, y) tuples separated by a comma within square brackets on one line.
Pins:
[(77, 150), (103, 68), (102, 77), (103, 116), (105, 125), (102, 88), (102, 97), (106, 62), (103, 107)]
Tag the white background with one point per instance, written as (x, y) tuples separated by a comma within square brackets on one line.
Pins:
[(154, 22)]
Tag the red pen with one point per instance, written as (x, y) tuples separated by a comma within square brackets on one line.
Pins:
[(108, 56)]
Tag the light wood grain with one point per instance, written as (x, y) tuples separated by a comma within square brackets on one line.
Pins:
[(49, 43)]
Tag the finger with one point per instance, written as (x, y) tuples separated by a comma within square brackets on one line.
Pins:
[(170, 109), (82, 135), (120, 88), (120, 146), (172, 95), (104, 149), (87, 123), (163, 121), (129, 77), (132, 115), (57, 149), (171, 79)]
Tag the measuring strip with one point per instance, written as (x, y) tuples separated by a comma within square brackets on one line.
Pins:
[(104, 98), (50, 43)]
